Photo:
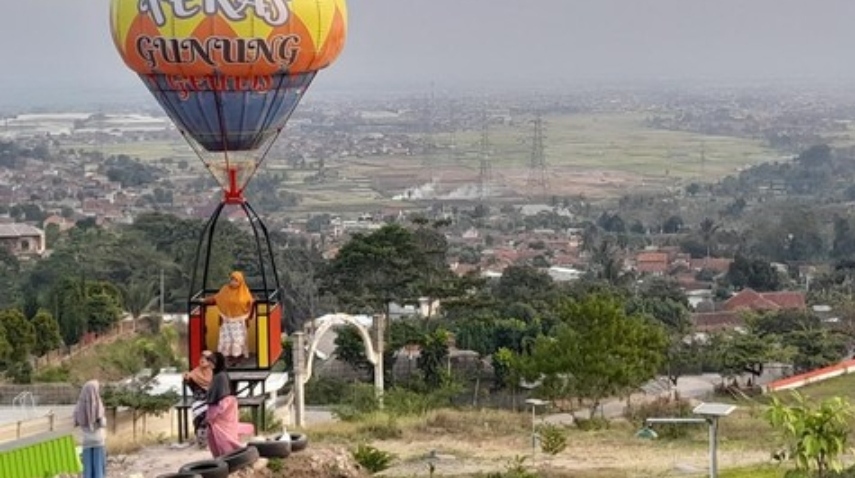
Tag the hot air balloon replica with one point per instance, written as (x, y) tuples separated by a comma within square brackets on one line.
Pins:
[(229, 73)]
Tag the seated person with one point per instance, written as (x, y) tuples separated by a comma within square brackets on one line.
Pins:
[(199, 381), (235, 304)]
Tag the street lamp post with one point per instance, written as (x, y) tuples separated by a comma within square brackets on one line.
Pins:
[(534, 402), (709, 413)]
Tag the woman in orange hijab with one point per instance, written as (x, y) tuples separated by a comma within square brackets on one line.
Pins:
[(235, 303)]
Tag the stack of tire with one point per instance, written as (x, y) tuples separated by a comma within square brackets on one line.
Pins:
[(279, 446)]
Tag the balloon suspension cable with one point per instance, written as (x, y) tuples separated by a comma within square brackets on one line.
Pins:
[(233, 193), (271, 141)]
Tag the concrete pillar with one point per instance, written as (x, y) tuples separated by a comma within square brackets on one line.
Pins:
[(298, 352), (379, 327)]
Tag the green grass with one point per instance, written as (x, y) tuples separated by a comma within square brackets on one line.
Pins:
[(620, 143), (754, 472), (843, 386)]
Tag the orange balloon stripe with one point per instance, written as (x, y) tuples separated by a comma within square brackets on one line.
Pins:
[(142, 26), (307, 52), (334, 44)]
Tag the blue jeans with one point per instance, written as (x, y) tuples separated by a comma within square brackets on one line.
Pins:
[(95, 462)]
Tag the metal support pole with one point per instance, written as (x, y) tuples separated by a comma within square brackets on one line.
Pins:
[(713, 425), (299, 358), (533, 433), (379, 345)]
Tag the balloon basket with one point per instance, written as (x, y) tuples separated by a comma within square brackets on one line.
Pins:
[(264, 330)]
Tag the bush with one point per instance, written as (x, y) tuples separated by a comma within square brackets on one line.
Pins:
[(553, 438), (359, 400), (403, 402), (272, 423), (372, 459), (381, 428), (326, 391), (662, 407), (53, 374), (592, 424)]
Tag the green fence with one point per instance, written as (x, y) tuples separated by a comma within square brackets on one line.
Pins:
[(40, 456)]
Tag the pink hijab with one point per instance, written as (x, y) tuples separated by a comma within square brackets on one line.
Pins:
[(90, 409)]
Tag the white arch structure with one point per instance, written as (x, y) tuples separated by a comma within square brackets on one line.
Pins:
[(303, 365), (336, 320)]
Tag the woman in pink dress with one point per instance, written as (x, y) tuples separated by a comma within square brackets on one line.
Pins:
[(222, 414)]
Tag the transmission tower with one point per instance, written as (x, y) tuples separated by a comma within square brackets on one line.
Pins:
[(538, 178), (485, 176), (429, 137)]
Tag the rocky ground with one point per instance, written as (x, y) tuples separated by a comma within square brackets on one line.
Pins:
[(314, 462)]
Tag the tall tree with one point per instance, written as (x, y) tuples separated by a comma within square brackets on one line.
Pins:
[(598, 350), (370, 271), (47, 333)]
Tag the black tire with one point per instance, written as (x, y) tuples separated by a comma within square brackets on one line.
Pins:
[(207, 468), (180, 475), (299, 442), (272, 448), (241, 458)]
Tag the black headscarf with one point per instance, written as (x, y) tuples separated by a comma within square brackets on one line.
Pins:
[(220, 387)]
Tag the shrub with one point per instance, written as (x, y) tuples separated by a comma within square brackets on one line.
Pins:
[(271, 421), (372, 459), (662, 407), (360, 400), (326, 391), (381, 428), (53, 374), (592, 424), (553, 438)]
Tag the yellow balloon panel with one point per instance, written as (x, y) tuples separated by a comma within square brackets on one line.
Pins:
[(228, 37)]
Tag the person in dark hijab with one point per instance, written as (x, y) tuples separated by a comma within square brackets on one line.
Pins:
[(222, 414), (90, 417)]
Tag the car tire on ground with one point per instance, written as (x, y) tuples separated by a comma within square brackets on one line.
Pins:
[(207, 468), (272, 447), (299, 442), (180, 475), (240, 458)]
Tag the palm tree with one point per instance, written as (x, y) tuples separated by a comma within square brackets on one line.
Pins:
[(708, 229)]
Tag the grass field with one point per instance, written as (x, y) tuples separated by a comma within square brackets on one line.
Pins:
[(478, 442), (595, 155)]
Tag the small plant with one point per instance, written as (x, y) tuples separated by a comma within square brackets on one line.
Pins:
[(815, 435), (387, 429), (661, 408), (276, 465), (592, 424), (517, 468), (372, 459), (553, 438), (272, 422)]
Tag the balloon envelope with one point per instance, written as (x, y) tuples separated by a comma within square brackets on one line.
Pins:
[(229, 73)]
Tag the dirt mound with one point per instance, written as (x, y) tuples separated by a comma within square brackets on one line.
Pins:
[(314, 462), (321, 462)]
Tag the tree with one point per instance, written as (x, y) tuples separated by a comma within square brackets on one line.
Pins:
[(370, 271), (433, 358), (19, 333), (10, 270), (598, 350), (816, 435), (140, 400), (48, 337), (708, 229), (754, 273)]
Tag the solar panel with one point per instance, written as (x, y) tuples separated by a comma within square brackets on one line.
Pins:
[(714, 409)]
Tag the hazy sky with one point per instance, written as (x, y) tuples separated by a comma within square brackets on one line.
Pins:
[(60, 46)]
